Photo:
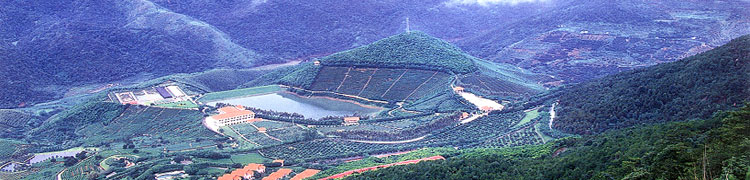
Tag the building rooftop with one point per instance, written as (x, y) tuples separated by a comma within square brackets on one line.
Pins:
[(278, 174), (229, 177), (305, 174), (351, 119), (231, 111), (253, 167)]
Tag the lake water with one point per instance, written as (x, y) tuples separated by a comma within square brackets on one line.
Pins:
[(313, 107)]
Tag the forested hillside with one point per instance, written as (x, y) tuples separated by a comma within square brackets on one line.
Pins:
[(302, 28), (710, 149), (47, 47), (581, 40), (415, 50), (62, 127), (694, 87)]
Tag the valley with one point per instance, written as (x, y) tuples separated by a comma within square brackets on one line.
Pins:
[(278, 90), (342, 111)]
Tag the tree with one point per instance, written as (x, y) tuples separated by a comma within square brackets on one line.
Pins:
[(92, 176), (70, 161), (81, 155)]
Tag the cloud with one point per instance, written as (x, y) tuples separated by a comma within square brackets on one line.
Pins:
[(490, 2)]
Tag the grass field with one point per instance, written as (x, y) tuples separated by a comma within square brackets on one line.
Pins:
[(248, 158), (179, 104), (527, 118), (221, 95)]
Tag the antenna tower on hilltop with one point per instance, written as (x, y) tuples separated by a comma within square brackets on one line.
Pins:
[(407, 25)]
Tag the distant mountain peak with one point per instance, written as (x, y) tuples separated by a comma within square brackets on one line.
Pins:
[(412, 49)]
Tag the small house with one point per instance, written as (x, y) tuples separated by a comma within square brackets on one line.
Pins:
[(458, 89), (351, 120)]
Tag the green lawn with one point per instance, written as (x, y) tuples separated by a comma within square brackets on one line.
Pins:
[(212, 170), (526, 119), (215, 96), (179, 104), (248, 158)]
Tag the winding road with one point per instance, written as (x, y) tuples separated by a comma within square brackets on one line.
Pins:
[(552, 115)]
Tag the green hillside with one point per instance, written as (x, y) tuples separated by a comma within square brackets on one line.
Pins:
[(694, 87), (301, 75), (407, 50), (62, 127), (99, 123), (715, 149), (405, 68), (13, 123)]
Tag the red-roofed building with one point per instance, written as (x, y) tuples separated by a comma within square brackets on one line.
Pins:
[(351, 120), (231, 115), (255, 167), (246, 172), (305, 174), (281, 173)]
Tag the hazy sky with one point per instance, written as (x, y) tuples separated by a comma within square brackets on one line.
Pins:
[(489, 2)]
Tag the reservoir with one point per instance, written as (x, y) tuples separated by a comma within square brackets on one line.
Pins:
[(310, 107)]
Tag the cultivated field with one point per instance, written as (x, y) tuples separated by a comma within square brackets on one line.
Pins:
[(221, 95), (151, 126), (380, 83)]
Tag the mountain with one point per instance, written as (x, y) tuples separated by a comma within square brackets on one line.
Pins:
[(294, 29), (49, 47), (406, 50), (412, 57), (582, 40), (712, 148), (694, 87), (161, 37)]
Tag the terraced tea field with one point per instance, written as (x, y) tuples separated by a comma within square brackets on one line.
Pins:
[(380, 83), (273, 132), (166, 126), (491, 86)]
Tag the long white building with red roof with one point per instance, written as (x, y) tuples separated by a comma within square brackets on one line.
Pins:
[(231, 115)]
